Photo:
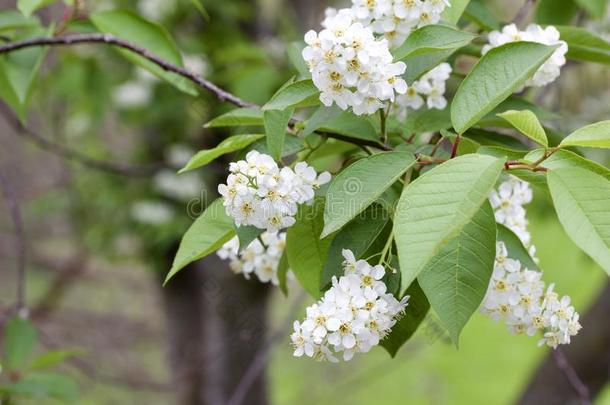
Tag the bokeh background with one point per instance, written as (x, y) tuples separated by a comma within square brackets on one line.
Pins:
[(94, 174)]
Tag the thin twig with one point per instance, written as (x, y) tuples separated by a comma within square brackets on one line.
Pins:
[(524, 11), (12, 204), (456, 144), (71, 154), (220, 93), (112, 40), (575, 381)]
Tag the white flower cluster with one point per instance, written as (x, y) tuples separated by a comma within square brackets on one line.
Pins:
[(516, 294), (395, 19), (350, 66), (261, 194), (431, 86), (352, 317), (508, 201), (260, 259), (549, 71)]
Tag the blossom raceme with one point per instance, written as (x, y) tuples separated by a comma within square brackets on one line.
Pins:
[(261, 194), (260, 257), (352, 316), (550, 70), (395, 19), (351, 67), (516, 295), (428, 90)]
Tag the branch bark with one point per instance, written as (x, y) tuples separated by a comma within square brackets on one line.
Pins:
[(65, 152), (108, 39)]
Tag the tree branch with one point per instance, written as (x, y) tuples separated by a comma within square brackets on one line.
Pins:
[(13, 206), (71, 154), (524, 11), (112, 40), (220, 93)]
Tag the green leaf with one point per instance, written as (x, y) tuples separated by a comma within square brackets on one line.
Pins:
[(27, 7), (566, 158), (594, 136), (527, 123), (480, 15), (436, 206), (456, 279), (282, 273), (18, 74), (246, 235), (555, 11), (490, 138), (276, 122), (360, 184), (584, 45), (432, 38), (320, 117), (53, 358), (207, 234), (292, 145), (231, 144), (20, 337), (350, 126), (131, 27), (295, 50), (492, 80), (293, 95), (420, 64), (596, 8), (582, 202), (46, 386), (306, 252), (427, 120), (12, 19), (515, 247), (501, 152), (357, 236), (453, 13), (238, 117), (407, 325)]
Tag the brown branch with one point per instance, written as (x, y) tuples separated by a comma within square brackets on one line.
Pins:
[(12, 204), (112, 40), (73, 155), (524, 11), (579, 387), (220, 93)]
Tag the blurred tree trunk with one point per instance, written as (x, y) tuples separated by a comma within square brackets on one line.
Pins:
[(216, 325), (589, 356)]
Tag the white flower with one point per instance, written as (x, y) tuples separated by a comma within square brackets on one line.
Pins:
[(550, 70), (178, 186), (352, 317), (351, 67), (431, 86), (261, 194), (516, 295), (260, 259)]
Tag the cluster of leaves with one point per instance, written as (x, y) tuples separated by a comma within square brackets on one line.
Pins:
[(421, 208), (24, 375), (427, 205)]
